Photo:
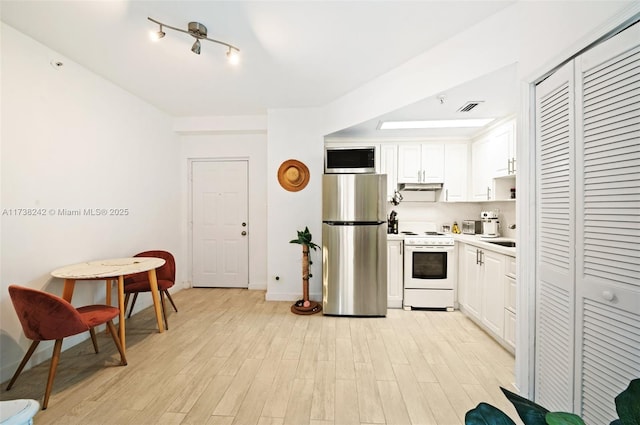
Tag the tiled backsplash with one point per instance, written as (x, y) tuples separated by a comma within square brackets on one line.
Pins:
[(447, 212)]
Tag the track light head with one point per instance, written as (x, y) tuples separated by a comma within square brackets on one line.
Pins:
[(233, 56), (196, 47), (155, 36)]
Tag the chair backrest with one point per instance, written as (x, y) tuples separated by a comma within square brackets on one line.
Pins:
[(44, 316), (166, 272)]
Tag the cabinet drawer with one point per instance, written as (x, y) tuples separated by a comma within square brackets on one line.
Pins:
[(510, 294), (511, 266)]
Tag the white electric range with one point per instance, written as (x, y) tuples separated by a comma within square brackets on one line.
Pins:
[(429, 267)]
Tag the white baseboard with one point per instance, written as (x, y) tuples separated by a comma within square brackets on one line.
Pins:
[(270, 296)]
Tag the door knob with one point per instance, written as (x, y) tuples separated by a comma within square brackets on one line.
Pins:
[(244, 233), (244, 224)]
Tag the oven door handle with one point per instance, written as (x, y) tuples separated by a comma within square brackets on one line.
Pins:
[(429, 248)]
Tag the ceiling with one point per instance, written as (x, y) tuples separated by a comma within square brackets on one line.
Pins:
[(294, 53), (495, 93)]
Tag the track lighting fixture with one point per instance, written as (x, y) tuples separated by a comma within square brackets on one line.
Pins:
[(199, 32), (155, 36), (196, 47)]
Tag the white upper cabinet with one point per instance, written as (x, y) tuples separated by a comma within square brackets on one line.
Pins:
[(388, 164), (492, 156), (421, 163), (481, 170), (456, 172), (503, 142)]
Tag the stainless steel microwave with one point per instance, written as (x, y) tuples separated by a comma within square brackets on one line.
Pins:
[(349, 160)]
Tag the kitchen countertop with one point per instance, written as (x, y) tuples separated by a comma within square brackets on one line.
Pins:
[(475, 240), (480, 242)]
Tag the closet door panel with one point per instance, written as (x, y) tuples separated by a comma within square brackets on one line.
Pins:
[(555, 293), (608, 223)]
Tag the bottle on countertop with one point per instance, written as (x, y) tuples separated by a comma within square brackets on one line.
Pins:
[(392, 225), (455, 229)]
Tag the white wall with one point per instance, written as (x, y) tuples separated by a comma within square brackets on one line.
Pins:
[(293, 134), (71, 140), (222, 138)]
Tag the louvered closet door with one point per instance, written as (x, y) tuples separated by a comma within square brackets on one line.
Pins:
[(608, 223), (555, 292)]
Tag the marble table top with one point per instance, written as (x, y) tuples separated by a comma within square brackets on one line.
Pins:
[(108, 268)]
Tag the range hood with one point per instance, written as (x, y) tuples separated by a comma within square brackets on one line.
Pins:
[(417, 187)]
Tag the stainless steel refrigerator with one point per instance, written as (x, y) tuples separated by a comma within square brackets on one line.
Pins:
[(354, 245)]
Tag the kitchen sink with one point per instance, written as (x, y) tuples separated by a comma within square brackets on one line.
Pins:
[(508, 244)]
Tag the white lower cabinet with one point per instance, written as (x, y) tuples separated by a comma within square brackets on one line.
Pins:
[(492, 284), (469, 281), (510, 330), (510, 304), (482, 287), (394, 274)]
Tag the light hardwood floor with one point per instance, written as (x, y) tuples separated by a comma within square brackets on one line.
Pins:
[(230, 357)]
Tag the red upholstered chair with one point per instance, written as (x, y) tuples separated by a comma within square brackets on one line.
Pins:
[(46, 317), (139, 282)]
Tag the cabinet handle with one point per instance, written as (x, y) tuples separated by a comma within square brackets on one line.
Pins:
[(509, 166), (446, 195), (513, 165), (481, 261), (424, 176), (477, 256), (488, 193), (419, 180)]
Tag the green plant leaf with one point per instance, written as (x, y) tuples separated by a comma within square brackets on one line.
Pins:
[(530, 412), (486, 414), (563, 418), (628, 404), (616, 422), (304, 238)]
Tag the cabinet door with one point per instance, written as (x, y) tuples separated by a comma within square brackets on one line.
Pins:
[(482, 181), (456, 172), (510, 329), (394, 274), (493, 292), (472, 286), (389, 166), (432, 163), (409, 163), (501, 141)]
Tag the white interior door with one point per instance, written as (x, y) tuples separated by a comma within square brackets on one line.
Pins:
[(555, 263), (220, 231)]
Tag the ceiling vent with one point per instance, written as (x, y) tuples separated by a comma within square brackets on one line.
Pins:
[(470, 105)]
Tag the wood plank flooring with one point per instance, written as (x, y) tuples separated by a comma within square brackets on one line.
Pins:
[(230, 357)]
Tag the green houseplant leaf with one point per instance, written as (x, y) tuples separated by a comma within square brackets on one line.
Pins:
[(486, 414), (563, 418), (628, 404), (530, 412), (304, 238)]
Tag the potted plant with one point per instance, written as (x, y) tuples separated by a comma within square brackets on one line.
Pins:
[(627, 406), (305, 306)]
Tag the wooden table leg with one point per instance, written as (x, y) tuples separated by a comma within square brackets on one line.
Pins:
[(155, 294), (122, 312), (108, 297), (109, 283), (67, 291)]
